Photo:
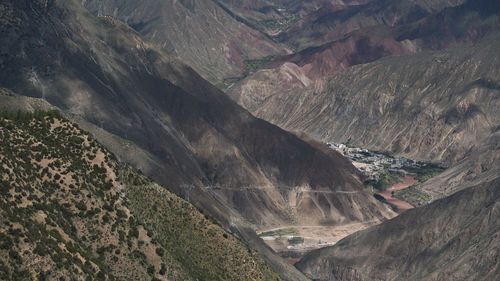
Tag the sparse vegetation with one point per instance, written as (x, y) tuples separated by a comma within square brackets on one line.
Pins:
[(426, 171), (280, 25), (252, 66), (413, 195), (385, 181), (63, 206)]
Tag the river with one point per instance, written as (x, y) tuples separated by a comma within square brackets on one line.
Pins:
[(400, 204)]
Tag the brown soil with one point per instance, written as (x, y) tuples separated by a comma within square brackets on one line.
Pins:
[(400, 204)]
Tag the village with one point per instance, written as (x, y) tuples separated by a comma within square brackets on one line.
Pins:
[(374, 164)]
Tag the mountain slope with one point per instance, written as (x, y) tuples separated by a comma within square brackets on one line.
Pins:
[(437, 31), (184, 123), (438, 106), (456, 238), (70, 210), (448, 95), (201, 33), (164, 118), (331, 23)]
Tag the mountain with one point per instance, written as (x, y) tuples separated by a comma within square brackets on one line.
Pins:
[(438, 106), (436, 102), (69, 209), (446, 94), (455, 238), (202, 34), (159, 115), (333, 22), (436, 31), (179, 120), (274, 17)]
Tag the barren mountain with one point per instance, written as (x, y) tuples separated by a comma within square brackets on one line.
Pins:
[(439, 106), (160, 116), (456, 238), (333, 22), (203, 34), (478, 19), (449, 95), (419, 83), (430, 105)]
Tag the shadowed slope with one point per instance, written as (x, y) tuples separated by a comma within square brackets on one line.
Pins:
[(183, 131), (201, 33), (456, 238)]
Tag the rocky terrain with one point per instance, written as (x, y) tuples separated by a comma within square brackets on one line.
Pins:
[(408, 79), (444, 100), (455, 238), (341, 47), (71, 211), (203, 34), (160, 116)]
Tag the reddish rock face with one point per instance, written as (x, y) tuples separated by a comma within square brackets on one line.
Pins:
[(358, 48)]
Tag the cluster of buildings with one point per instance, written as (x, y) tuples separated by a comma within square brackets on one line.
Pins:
[(373, 164)]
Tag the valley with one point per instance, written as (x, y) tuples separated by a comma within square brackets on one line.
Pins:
[(293, 242), (386, 178), (250, 140), (389, 176)]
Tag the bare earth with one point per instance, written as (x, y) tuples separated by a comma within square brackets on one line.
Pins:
[(315, 236), (319, 236)]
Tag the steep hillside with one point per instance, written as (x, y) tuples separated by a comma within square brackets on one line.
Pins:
[(456, 238), (276, 16), (437, 106), (331, 23), (437, 31), (174, 125), (201, 33), (70, 210), (186, 125), (445, 100)]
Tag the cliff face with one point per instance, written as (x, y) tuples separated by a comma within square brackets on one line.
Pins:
[(456, 238)]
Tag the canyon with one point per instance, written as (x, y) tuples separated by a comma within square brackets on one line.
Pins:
[(321, 140)]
